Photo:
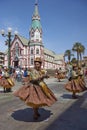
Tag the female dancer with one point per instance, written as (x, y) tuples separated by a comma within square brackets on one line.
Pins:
[(7, 82), (36, 94), (75, 84), (59, 74)]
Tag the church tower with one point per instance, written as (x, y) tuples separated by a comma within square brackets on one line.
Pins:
[(36, 47)]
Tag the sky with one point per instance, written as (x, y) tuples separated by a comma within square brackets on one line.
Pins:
[(64, 22)]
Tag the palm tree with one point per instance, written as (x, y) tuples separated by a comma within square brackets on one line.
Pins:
[(68, 54), (76, 48), (82, 50), (79, 48)]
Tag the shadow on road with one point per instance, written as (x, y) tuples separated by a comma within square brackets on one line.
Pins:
[(26, 115), (74, 117), (69, 96)]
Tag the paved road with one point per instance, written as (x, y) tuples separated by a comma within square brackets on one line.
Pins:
[(65, 114)]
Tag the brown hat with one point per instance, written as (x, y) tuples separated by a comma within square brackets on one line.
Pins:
[(74, 65), (6, 69), (38, 59)]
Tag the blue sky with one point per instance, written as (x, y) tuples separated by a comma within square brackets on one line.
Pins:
[(64, 22)]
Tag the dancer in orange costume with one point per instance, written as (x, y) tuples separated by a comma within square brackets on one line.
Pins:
[(7, 82), (59, 74), (36, 94), (75, 85)]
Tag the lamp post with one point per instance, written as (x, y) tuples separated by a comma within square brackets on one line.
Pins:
[(8, 42)]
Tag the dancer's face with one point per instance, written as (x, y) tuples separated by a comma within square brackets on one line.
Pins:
[(37, 65)]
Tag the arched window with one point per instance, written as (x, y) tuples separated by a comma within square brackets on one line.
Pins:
[(17, 49), (37, 51), (32, 51), (32, 61), (32, 34), (37, 35)]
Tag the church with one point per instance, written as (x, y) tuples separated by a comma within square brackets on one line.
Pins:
[(23, 51)]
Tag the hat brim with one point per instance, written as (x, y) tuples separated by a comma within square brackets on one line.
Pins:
[(37, 61)]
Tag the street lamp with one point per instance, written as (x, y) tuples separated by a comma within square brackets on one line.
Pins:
[(8, 42)]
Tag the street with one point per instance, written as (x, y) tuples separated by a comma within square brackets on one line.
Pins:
[(65, 114)]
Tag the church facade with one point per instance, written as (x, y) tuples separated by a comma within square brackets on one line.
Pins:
[(23, 51)]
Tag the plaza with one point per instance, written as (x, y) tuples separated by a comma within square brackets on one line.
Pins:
[(65, 114)]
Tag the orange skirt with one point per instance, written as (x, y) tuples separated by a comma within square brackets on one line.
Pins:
[(34, 96), (7, 83), (75, 85), (60, 76)]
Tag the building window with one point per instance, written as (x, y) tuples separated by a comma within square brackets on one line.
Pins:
[(32, 61), (37, 51), (17, 49), (25, 51), (32, 52), (20, 51), (32, 33), (37, 35)]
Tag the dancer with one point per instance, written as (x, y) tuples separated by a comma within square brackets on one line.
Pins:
[(75, 85), (81, 77), (36, 94), (7, 81), (59, 74)]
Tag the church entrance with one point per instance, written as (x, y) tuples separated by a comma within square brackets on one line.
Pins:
[(16, 64)]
